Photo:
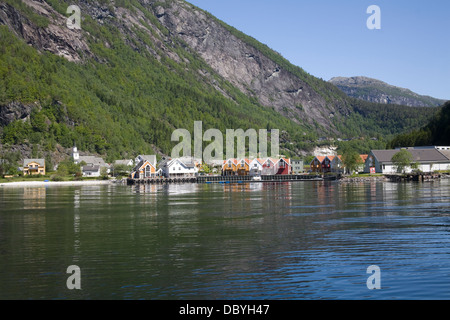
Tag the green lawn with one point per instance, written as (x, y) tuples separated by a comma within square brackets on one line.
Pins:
[(47, 177)]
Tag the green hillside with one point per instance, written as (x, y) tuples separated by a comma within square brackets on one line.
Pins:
[(436, 132), (125, 106), (123, 101)]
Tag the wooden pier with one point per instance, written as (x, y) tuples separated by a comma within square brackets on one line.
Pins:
[(232, 179)]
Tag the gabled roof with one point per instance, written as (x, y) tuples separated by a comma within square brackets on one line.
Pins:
[(170, 162), (288, 161), (144, 163), (274, 160), (264, 160), (247, 161), (90, 168), (93, 160), (418, 155), (446, 153), (233, 161), (261, 160), (258, 160), (151, 158), (319, 158), (40, 162)]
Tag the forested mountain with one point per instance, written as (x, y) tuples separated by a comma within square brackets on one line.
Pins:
[(373, 90), (138, 69), (436, 132)]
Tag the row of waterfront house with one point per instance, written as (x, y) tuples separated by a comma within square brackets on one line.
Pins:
[(188, 167), (426, 159)]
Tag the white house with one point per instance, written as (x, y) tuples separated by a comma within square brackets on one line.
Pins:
[(428, 160), (255, 167), (176, 168), (90, 170)]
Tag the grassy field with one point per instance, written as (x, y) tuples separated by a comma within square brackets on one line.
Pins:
[(47, 177)]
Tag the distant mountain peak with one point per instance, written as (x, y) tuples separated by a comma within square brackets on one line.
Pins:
[(377, 91)]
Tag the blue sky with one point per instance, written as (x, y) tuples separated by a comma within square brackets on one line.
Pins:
[(329, 38)]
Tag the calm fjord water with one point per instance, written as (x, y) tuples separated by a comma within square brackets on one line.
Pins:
[(299, 240)]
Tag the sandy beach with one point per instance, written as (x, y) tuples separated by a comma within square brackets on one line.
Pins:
[(55, 183)]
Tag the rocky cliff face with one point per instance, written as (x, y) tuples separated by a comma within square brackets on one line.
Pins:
[(191, 61), (231, 58), (380, 92), (246, 67), (55, 37), (14, 111)]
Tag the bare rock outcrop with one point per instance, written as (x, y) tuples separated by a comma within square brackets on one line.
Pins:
[(56, 37)]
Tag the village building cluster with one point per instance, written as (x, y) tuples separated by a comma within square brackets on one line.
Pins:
[(426, 159)]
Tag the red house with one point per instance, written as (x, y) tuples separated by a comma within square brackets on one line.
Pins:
[(284, 166)]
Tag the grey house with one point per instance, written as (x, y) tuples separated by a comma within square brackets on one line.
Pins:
[(428, 160), (297, 166)]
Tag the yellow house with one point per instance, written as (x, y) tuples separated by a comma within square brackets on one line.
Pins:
[(229, 167), (243, 167), (33, 167), (233, 167)]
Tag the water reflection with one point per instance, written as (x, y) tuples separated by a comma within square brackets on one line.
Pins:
[(227, 241), (34, 198)]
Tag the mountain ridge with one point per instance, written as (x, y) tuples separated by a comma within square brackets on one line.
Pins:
[(378, 91), (137, 70)]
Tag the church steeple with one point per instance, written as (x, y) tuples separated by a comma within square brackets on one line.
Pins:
[(75, 154)]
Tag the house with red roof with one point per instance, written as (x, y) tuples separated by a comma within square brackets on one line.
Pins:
[(325, 164), (259, 166), (229, 167), (284, 166)]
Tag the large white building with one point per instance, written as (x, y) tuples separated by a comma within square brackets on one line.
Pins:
[(177, 168), (429, 159)]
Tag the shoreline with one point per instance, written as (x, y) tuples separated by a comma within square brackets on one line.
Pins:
[(54, 183), (393, 178)]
